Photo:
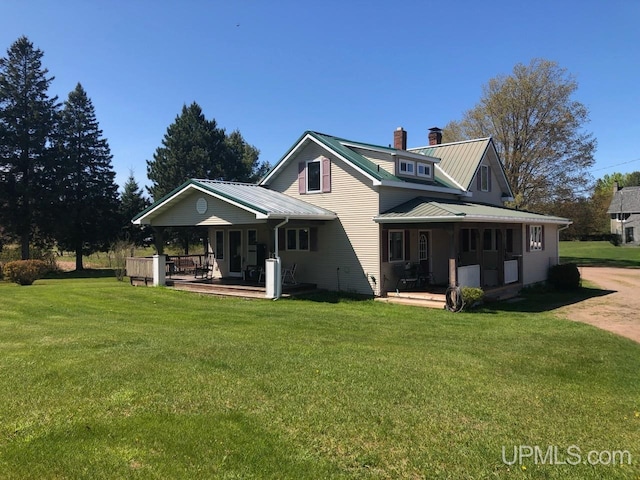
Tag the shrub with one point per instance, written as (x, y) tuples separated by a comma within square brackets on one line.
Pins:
[(615, 239), (472, 296), (121, 250), (25, 272), (565, 276)]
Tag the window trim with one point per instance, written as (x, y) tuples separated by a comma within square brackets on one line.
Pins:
[(390, 250), (485, 182), (427, 166), (219, 242), (407, 163), (536, 240), (297, 239), (308, 163), (471, 240)]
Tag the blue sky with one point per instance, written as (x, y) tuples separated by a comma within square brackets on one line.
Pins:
[(355, 69)]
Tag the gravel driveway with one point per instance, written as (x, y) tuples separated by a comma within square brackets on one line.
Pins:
[(617, 312)]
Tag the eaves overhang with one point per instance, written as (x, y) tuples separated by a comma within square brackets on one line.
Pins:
[(462, 218), (423, 187), (264, 204)]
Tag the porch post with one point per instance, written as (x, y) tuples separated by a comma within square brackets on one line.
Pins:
[(159, 266), (453, 262)]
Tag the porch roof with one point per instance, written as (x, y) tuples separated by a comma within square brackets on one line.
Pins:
[(260, 201), (425, 210)]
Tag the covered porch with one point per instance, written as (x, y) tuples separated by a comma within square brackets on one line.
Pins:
[(430, 257), (247, 227), (432, 244)]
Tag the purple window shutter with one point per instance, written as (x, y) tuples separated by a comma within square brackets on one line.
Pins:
[(407, 250), (385, 245), (313, 239), (326, 175), (302, 177)]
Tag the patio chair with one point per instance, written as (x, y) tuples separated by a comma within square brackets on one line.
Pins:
[(204, 271), (407, 274), (289, 275)]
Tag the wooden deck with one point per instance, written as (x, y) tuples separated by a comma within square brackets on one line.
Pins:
[(233, 287)]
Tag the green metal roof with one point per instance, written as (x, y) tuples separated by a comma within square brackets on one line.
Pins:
[(345, 148), (424, 209), (459, 160)]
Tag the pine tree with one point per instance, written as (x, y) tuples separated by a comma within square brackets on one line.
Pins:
[(89, 192), (27, 122), (193, 147), (132, 202)]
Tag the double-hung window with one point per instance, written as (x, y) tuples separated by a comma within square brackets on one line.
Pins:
[(298, 239), (314, 176), (396, 245)]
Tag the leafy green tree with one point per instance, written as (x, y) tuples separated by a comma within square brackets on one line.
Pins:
[(132, 202), (27, 122), (89, 192), (538, 130)]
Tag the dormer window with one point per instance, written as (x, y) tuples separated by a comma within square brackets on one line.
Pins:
[(414, 168), (424, 170), (407, 167)]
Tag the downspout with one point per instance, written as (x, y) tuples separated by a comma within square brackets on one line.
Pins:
[(284, 222), (558, 241)]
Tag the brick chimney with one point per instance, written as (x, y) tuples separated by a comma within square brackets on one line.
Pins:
[(616, 186), (400, 139), (435, 136)]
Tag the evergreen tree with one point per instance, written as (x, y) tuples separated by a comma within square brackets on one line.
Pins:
[(27, 122), (89, 192), (193, 147), (242, 160), (132, 202)]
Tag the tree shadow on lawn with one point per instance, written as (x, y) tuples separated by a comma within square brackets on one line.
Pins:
[(600, 262), (544, 301), (86, 273)]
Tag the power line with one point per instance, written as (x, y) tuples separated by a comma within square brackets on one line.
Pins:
[(616, 165)]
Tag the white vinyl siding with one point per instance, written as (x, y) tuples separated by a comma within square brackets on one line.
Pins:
[(535, 265), (348, 252), (184, 213)]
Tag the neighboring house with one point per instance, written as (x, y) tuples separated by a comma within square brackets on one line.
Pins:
[(351, 215), (624, 211)]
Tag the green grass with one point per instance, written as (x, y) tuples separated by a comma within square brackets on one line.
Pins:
[(599, 254), (99, 379)]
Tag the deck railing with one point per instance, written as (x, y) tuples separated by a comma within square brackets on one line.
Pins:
[(140, 267)]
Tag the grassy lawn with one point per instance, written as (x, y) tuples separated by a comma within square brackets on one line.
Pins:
[(99, 379), (599, 254)]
